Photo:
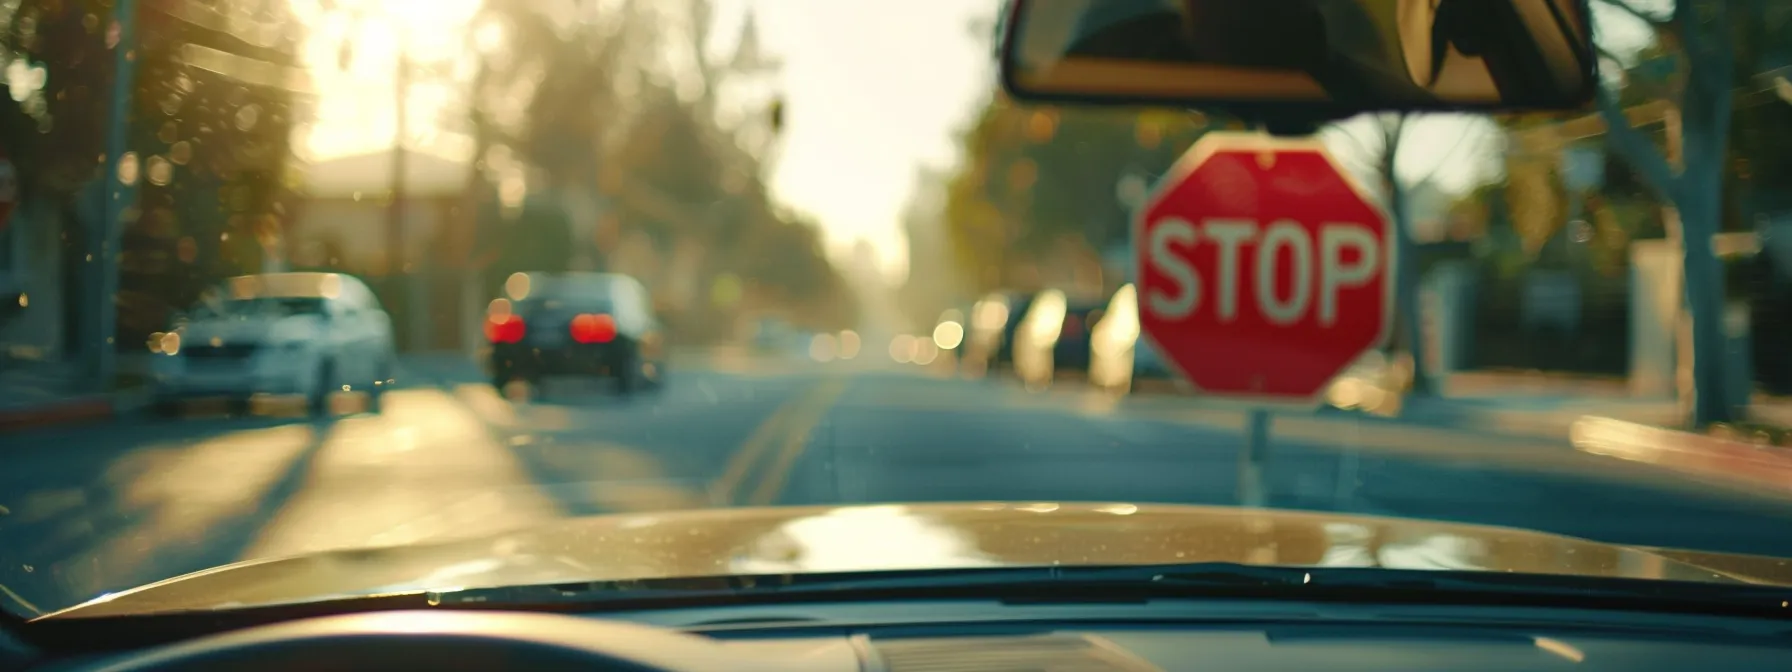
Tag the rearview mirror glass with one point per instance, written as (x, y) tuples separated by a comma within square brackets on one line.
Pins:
[(1321, 57)]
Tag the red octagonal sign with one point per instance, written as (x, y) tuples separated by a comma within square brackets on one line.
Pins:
[(1264, 270)]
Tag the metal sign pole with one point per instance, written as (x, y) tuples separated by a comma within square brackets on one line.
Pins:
[(1251, 491), (1347, 470), (116, 185)]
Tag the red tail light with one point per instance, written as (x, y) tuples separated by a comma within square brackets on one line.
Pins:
[(589, 328), (504, 329), (1073, 326)]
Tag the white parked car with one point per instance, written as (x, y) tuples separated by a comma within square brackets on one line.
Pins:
[(309, 334)]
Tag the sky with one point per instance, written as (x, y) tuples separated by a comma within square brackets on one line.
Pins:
[(873, 92)]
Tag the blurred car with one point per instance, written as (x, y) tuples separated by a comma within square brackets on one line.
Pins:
[(989, 339), (1376, 383), (1054, 336), (576, 324), (773, 335), (1018, 305), (1070, 352), (278, 333), (1119, 358)]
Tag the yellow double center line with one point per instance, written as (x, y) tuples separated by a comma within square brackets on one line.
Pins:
[(788, 430)]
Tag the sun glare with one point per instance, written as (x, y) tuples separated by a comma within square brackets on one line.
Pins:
[(352, 53)]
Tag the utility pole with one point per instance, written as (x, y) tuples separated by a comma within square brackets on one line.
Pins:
[(395, 249), (116, 186)]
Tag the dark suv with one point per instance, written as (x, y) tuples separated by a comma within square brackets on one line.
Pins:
[(575, 324)]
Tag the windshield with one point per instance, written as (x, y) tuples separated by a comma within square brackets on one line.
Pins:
[(722, 287), (261, 307), (586, 292)]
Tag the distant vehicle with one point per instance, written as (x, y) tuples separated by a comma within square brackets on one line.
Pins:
[(1071, 350), (774, 335), (1054, 336), (278, 333), (989, 338), (576, 324), (1018, 305), (1119, 357)]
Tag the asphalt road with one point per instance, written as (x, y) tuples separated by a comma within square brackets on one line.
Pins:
[(89, 509)]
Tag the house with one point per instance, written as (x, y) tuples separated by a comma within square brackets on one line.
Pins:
[(342, 224)]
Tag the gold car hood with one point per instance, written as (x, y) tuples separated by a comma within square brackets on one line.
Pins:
[(783, 540)]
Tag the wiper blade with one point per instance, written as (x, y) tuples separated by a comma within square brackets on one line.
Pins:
[(1134, 583), (1167, 577), (1351, 583)]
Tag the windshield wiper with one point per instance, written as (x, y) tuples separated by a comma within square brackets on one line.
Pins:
[(1106, 583)]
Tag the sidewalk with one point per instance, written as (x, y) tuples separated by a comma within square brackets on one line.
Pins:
[(1543, 416), (41, 394), (1547, 405), (1698, 456), (1597, 416)]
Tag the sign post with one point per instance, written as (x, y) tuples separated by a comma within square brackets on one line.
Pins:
[(115, 189), (9, 189), (1264, 271)]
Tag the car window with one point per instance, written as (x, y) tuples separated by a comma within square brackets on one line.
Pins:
[(266, 307)]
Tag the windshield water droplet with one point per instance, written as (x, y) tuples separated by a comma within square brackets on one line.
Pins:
[(247, 116), (127, 168)]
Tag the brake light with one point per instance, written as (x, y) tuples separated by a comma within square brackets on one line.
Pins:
[(504, 328), (1073, 326), (589, 328)]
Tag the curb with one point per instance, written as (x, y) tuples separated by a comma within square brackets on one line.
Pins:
[(1697, 455), (1552, 424), (1527, 424), (97, 407)]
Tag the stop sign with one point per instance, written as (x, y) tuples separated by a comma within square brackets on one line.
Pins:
[(1263, 269)]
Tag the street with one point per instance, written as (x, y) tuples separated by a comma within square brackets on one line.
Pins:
[(102, 507)]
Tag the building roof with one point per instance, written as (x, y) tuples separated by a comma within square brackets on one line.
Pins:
[(425, 175)]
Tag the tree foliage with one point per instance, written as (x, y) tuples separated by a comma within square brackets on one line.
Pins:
[(209, 141), (589, 106), (1032, 179), (1705, 60)]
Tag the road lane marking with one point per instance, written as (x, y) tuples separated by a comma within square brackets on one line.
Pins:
[(723, 490), (796, 438)]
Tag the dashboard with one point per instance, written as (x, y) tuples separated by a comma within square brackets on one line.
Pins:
[(957, 635)]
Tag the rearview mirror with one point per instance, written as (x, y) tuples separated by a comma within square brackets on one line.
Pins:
[(1304, 58)]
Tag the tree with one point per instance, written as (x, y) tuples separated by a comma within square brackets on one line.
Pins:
[(547, 91), (1374, 142), (1032, 178), (1704, 34), (590, 106), (210, 148)]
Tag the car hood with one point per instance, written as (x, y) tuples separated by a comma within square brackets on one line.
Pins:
[(785, 540)]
